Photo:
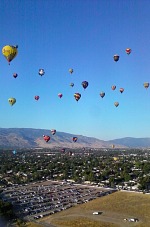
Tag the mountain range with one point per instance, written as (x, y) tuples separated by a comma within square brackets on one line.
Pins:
[(33, 138)]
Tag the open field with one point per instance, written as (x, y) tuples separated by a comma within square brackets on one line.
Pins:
[(115, 208)]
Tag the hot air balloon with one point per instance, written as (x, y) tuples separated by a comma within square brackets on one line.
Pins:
[(71, 71), (121, 90), (12, 101), (63, 150), (113, 146), (75, 139), (113, 87), (72, 84), (10, 52), (146, 85), (116, 57), (116, 104), (115, 158), (77, 96), (53, 131), (46, 138), (128, 51), (15, 75), (14, 152), (102, 94), (36, 97), (41, 72), (85, 84), (60, 95)]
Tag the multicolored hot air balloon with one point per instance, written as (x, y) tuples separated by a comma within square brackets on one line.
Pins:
[(71, 84), (75, 139), (121, 90), (77, 96), (12, 101), (10, 52), (116, 104), (71, 71), (60, 95), (46, 138), (116, 57), (113, 87), (53, 131), (102, 94), (15, 75), (146, 85), (85, 84), (36, 97), (41, 72), (128, 51)]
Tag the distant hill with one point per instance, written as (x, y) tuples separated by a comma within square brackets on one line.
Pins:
[(132, 142), (33, 138)]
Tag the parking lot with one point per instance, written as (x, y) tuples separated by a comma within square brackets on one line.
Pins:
[(37, 200)]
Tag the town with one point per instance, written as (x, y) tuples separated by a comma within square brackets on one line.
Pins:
[(40, 182)]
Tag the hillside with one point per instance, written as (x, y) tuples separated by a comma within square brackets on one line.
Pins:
[(33, 138)]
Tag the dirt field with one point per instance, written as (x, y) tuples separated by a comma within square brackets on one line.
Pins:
[(115, 208)]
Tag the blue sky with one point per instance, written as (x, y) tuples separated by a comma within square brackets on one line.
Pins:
[(84, 35)]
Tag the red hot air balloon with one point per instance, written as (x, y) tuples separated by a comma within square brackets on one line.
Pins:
[(46, 138), (128, 51), (121, 90), (60, 95), (36, 97)]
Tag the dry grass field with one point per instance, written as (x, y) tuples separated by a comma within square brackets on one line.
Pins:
[(115, 208)]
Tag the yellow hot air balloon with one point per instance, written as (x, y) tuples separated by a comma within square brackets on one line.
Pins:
[(9, 52), (12, 101)]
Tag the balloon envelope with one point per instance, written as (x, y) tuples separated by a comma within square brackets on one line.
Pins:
[(53, 131), (15, 75), (75, 139), (72, 84), (46, 138), (121, 90), (12, 101), (116, 104), (102, 94), (10, 52), (41, 72), (116, 57), (146, 85), (77, 96), (85, 84), (37, 97), (128, 51), (71, 71), (60, 95), (113, 87)]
